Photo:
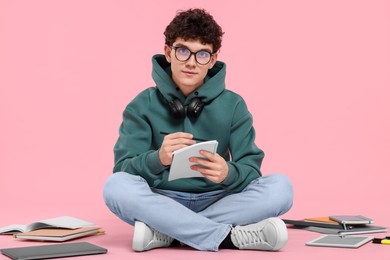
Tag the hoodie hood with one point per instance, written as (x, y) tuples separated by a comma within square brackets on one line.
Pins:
[(213, 85)]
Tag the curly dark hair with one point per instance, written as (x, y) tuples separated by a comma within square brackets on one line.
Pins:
[(194, 24)]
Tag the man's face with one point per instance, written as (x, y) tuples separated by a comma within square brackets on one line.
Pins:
[(189, 75)]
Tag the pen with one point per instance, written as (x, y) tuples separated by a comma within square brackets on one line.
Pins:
[(101, 232), (384, 241), (197, 139)]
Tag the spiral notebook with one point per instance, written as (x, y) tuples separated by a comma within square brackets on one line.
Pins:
[(180, 167)]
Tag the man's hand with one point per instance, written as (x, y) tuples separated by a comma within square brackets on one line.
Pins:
[(171, 143), (213, 167)]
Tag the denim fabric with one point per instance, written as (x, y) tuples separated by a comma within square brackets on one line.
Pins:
[(203, 220)]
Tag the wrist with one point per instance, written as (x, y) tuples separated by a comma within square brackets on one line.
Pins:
[(162, 161)]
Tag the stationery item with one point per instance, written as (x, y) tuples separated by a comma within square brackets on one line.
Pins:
[(195, 138), (53, 251), (303, 223), (326, 220), (58, 234), (59, 222), (384, 241), (355, 230), (334, 229), (339, 241), (351, 219), (180, 167)]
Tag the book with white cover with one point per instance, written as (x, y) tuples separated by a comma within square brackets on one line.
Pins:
[(59, 222), (180, 167)]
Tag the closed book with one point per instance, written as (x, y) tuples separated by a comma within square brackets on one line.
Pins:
[(57, 234), (303, 223), (351, 219), (339, 229), (326, 220), (53, 251), (356, 230)]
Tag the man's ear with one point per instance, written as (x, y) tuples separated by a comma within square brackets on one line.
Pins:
[(167, 52), (214, 59)]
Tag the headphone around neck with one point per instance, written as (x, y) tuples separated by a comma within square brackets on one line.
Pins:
[(193, 111)]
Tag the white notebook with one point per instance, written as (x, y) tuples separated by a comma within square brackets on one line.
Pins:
[(180, 167)]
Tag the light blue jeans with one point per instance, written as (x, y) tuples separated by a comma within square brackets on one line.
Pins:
[(201, 221)]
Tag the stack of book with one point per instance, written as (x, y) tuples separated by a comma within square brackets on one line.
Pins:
[(55, 229), (337, 224)]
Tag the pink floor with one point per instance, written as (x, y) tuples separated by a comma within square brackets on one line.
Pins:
[(118, 242), (315, 76)]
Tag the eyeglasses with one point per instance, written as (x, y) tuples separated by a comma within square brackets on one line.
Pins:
[(184, 54)]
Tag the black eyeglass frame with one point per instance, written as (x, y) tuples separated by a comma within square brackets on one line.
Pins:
[(192, 53)]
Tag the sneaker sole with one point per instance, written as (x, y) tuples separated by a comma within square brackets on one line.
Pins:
[(139, 236), (279, 225)]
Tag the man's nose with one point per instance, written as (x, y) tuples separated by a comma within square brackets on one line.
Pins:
[(191, 61)]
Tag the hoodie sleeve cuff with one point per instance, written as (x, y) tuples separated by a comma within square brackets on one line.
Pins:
[(232, 176), (154, 163)]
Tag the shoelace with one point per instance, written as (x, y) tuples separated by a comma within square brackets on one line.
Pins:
[(250, 237), (161, 237)]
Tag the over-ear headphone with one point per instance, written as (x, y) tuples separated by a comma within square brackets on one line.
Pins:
[(193, 111)]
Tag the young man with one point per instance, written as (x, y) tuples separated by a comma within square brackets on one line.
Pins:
[(232, 205)]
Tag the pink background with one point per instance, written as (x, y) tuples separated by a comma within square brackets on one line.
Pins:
[(315, 75)]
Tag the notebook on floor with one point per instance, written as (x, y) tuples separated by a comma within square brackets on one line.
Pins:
[(53, 251)]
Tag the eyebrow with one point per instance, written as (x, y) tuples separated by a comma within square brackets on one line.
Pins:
[(183, 45)]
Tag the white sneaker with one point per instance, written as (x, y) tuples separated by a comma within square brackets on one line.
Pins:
[(146, 238), (269, 234)]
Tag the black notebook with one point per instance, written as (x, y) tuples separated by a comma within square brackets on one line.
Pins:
[(53, 251)]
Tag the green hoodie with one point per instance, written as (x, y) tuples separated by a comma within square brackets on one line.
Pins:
[(224, 118)]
